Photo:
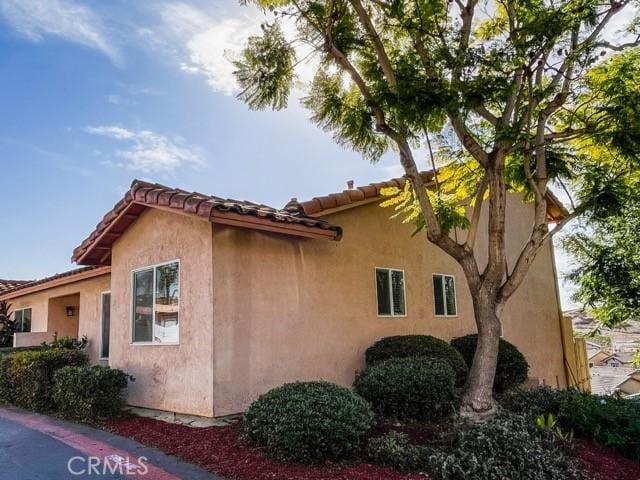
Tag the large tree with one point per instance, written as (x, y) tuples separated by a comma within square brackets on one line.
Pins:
[(516, 90)]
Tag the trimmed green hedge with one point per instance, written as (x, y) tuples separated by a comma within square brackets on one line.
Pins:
[(309, 422), (402, 346), (411, 388), (89, 393), (26, 377), (512, 368)]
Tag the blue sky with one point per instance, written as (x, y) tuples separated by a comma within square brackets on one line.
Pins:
[(97, 93)]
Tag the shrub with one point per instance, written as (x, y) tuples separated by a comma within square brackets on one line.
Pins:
[(611, 421), (89, 393), (417, 346), (309, 422), (512, 368), (68, 343), (504, 447), (26, 377), (395, 451), (412, 388)]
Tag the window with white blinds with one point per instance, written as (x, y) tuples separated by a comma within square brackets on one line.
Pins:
[(390, 292)]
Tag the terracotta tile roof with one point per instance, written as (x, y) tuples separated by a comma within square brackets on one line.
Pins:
[(96, 249), (53, 278), (6, 285), (354, 197)]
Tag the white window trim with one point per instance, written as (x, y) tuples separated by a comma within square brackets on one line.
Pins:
[(153, 306), (20, 310), (102, 294), (404, 291), (444, 295)]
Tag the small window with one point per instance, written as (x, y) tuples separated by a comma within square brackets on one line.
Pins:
[(105, 325), (390, 292), (444, 295), (156, 293), (22, 317)]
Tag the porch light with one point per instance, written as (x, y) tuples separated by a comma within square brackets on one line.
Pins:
[(70, 311)]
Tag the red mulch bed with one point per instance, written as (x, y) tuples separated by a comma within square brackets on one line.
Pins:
[(603, 463), (221, 450)]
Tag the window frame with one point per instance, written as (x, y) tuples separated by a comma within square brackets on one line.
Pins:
[(22, 309), (153, 267), (404, 291), (444, 295), (100, 346)]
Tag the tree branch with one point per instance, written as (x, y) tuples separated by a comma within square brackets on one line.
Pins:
[(383, 58)]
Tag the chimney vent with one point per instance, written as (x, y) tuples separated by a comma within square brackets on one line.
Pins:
[(350, 184)]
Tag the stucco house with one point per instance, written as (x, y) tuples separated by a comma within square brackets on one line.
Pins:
[(210, 302)]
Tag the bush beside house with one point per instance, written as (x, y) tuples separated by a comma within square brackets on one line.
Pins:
[(309, 422), (411, 388), (401, 346), (512, 368), (89, 393), (26, 377)]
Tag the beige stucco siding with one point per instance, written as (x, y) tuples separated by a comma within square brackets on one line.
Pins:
[(168, 377), (289, 309), (48, 314)]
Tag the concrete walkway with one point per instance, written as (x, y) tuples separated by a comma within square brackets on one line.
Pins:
[(38, 447)]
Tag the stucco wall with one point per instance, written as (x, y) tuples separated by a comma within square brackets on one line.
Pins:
[(168, 377), (87, 318), (289, 309)]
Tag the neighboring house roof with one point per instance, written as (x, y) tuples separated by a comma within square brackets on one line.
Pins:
[(96, 249), (58, 279), (6, 285), (630, 385), (356, 196), (605, 380), (622, 357)]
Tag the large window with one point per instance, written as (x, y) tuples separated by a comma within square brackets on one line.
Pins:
[(105, 325), (390, 292), (156, 294), (22, 318), (444, 295)]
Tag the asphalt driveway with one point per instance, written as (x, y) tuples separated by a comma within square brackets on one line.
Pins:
[(39, 447)]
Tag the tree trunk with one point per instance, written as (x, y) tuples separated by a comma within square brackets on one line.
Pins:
[(478, 401)]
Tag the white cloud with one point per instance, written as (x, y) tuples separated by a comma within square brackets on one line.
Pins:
[(201, 44), (148, 151), (71, 21)]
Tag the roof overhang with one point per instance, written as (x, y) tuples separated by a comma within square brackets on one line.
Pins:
[(56, 280), (364, 195), (96, 249)]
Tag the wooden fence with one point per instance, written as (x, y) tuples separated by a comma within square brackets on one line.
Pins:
[(576, 361)]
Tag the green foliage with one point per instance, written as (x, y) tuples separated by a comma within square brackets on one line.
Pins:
[(506, 447), (549, 424), (411, 388), (309, 422), (26, 377), (394, 450), (7, 325), (89, 393), (607, 266), (417, 346), (332, 106), (265, 72), (611, 421), (512, 368), (67, 343)]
